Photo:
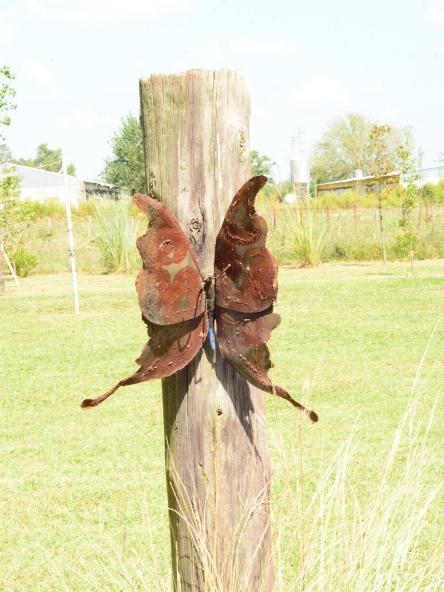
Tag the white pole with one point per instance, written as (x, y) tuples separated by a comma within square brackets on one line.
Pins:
[(72, 260)]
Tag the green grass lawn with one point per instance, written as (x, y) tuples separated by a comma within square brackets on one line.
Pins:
[(83, 494)]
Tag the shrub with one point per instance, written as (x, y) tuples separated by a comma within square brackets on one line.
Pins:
[(405, 242), (50, 207), (24, 262)]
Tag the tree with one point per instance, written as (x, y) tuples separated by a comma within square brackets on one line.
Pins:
[(13, 214), (347, 146), (261, 165), (7, 94), (381, 164), (127, 166), (407, 236), (49, 159), (70, 169)]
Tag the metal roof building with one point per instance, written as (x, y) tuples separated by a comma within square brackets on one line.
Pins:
[(363, 184), (38, 185)]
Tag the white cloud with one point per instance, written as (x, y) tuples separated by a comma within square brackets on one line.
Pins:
[(102, 11), (322, 90), (40, 73), (435, 12), (263, 47)]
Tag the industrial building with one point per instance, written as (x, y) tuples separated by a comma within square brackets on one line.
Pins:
[(38, 185), (364, 184)]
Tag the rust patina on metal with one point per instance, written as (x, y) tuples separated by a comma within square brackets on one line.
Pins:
[(246, 273), (169, 286), (180, 307)]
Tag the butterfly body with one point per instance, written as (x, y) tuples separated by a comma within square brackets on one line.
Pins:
[(210, 293), (232, 307)]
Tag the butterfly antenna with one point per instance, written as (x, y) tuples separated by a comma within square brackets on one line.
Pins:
[(87, 403), (311, 415)]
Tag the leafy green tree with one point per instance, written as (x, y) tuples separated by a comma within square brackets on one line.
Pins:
[(126, 168), (348, 145), (261, 165), (7, 94), (5, 154), (382, 163), (49, 159), (407, 237), (13, 214)]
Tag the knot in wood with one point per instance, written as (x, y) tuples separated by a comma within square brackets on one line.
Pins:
[(195, 226), (151, 182), (242, 141)]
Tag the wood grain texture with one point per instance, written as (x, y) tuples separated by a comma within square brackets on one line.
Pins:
[(195, 127)]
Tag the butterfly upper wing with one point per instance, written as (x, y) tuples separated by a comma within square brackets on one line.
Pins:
[(246, 273), (169, 287), (171, 297), (246, 288)]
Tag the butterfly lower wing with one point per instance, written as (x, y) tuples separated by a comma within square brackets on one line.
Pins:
[(169, 287), (246, 272), (242, 340), (169, 349)]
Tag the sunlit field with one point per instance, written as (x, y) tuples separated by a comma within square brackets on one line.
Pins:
[(356, 501)]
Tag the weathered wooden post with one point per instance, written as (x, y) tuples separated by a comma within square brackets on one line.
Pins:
[(196, 139)]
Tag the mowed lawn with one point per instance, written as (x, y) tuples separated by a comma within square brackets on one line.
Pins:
[(83, 496)]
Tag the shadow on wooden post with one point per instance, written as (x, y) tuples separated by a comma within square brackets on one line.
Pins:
[(196, 138)]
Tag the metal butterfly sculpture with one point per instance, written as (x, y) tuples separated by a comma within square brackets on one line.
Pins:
[(181, 308)]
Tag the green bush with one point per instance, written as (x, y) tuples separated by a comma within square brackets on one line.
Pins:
[(50, 208), (403, 244), (349, 198), (24, 262)]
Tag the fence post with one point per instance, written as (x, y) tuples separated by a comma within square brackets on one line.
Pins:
[(196, 139)]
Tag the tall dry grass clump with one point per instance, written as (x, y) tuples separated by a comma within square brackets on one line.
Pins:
[(337, 539), (307, 232), (341, 542), (115, 235)]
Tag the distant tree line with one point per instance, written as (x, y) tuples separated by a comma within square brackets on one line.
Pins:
[(353, 143), (48, 159), (126, 166), (348, 144)]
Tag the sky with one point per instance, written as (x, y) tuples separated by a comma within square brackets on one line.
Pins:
[(77, 66)]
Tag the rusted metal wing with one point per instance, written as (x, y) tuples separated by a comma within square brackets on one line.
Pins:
[(169, 286), (169, 349), (242, 340), (246, 273)]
